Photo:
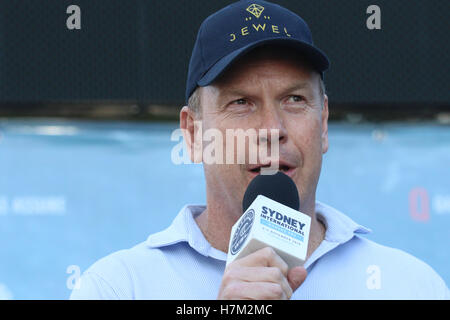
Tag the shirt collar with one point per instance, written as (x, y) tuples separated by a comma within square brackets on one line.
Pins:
[(339, 229), (185, 229)]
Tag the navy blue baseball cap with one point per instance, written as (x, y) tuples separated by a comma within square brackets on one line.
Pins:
[(241, 26)]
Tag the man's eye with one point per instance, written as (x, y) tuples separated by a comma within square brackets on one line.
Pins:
[(239, 101), (296, 99)]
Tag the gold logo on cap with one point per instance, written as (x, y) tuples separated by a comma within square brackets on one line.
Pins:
[(255, 9)]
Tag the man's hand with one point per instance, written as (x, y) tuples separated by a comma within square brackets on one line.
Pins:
[(261, 275)]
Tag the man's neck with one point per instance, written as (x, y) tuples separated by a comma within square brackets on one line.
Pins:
[(216, 226), (216, 223)]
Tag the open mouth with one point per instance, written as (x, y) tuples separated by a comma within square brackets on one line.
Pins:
[(283, 167)]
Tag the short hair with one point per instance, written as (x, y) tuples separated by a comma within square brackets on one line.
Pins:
[(194, 101)]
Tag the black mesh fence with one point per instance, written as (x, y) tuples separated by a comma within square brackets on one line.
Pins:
[(138, 51)]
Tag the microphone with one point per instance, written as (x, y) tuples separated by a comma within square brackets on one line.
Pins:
[(271, 218)]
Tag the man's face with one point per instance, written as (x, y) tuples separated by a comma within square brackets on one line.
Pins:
[(268, 91)]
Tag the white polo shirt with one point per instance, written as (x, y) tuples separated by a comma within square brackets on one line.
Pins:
[(179, 263)]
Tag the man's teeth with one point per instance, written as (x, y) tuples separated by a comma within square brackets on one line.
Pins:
[(282, 168)]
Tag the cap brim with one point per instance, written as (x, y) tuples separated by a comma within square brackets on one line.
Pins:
[(315, 56)]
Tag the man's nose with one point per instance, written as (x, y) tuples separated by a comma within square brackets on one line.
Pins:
[(272, 120)]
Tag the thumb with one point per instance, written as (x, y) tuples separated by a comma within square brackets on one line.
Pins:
[(296, 276)]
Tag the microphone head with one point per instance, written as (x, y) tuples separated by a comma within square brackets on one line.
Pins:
[(278, 187)]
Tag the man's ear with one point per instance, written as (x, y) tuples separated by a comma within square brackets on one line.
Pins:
[(325, 124), (192, 133)]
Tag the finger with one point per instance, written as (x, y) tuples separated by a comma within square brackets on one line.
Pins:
[(259, 274), (254, 291), (266, 257), (296, 276)]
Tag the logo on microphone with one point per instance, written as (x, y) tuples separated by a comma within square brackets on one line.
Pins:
[(242, 231)]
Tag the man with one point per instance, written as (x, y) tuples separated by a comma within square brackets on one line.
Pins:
[(254, 66)]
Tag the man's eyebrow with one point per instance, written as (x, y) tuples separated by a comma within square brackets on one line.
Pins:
[(232, 92), (226, 94), (297, 86)]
